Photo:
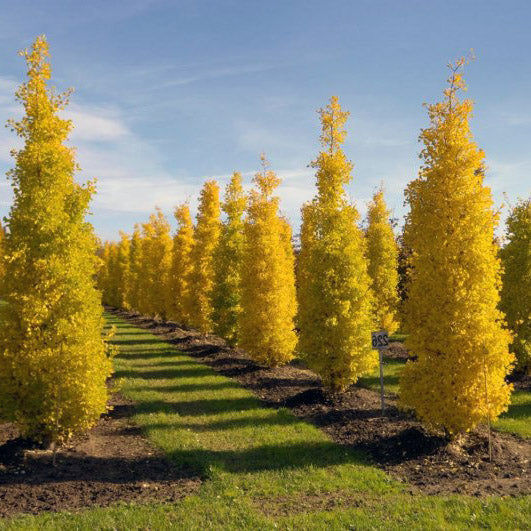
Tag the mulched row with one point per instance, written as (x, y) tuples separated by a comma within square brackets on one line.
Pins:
[(395, 442), (113, 463)]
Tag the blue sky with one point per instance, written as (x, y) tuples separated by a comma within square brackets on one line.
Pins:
[(169, 93)]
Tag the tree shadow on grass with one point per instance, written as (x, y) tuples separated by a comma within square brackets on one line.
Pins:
[(181, 464), (184, 388), (270, 457), (133, 342), (373, 381), (518, 411), (147, 354), (163, 374)]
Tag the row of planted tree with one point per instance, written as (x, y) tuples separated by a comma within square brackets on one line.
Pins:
[(242, 279)]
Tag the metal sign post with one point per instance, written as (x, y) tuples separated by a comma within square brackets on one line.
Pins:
[(380, 342)]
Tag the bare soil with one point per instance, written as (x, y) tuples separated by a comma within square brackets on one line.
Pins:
[(113, 463), (395, 442)]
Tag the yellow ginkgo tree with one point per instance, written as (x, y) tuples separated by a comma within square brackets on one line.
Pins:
[(382, 257), (451, 314), (53, 360), (155, 265), (228, 260), (268, 301), (516, 291), (180, 306), (335, 296), (134, 295), (206, 236)]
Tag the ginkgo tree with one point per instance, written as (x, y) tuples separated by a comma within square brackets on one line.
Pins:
[(155, 262), (179, 287), (268, 300), (451, 314), (206, 236), (516, 291), (228, 257), (53, 359), (382, 257), (335, 297)]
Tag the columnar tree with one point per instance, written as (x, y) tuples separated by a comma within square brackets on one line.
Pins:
[(268, 299), (206, 238), (112, 294), (228, 259), (516, 290), (156, 262), (182, 296), (123, 273), (53, 362), (104, 253), (135, 270), (451, 314), (382, 256), (335, 310), (2, 236)]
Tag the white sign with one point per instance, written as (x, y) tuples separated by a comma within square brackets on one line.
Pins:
[(380, 340)]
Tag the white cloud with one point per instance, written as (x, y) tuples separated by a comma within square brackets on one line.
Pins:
[(95, 124)]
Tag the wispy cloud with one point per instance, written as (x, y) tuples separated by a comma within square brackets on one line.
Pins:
[(215, 73), (95, 124), (516, 119)]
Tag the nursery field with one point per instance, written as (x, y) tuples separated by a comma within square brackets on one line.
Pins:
[(251, 448)]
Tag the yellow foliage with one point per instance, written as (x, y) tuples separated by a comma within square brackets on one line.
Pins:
[(268, 301), (228, 259), (516, 291), (134, 295), (114, 275), (182, 268), (2, 267), (451, 315), (335, 298), (206, 238), (156, 250), (53, 361), (382, 256)]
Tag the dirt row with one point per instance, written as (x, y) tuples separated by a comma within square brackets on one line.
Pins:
[(113, 463), (396, 442)]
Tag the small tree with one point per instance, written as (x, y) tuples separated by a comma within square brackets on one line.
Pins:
[(123, 273), (451, 315), (228, 259), (53, 362), (516, 290), (382, 256), (2, 267), (135, 270), (268, 300), (156, 263), (182, 267), (335, 318), (206, 238)]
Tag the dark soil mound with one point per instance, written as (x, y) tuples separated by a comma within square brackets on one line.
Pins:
[(112, 463)]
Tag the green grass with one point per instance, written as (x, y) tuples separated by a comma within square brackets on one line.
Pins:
[(391, 370), (263, 468), (518, 418), (398, 337)]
